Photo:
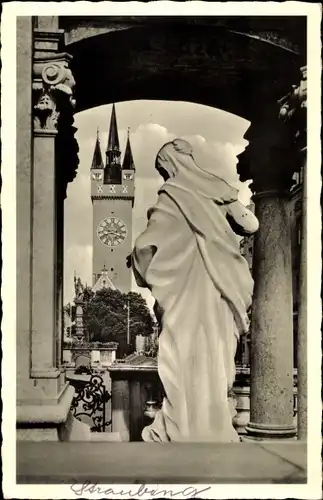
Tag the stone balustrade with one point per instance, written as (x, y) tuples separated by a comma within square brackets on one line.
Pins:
[(137, 393), (94, 356)]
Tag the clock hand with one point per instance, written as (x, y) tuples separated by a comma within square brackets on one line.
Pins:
[(114, 232)]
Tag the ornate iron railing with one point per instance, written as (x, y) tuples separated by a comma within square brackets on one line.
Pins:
[(90, 401)]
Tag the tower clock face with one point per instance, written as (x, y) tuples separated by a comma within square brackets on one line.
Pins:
[(112, 231)]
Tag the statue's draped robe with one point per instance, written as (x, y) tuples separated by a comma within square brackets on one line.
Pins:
[(190, 260)]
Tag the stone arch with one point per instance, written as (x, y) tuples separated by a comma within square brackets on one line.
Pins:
[(204, 64)]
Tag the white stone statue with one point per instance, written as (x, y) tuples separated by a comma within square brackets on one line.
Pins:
[(189, 258)]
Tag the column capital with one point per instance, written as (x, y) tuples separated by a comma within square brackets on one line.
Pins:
[(53, 85), (277, 141), (270, 159), (53, 99), (293, 110)]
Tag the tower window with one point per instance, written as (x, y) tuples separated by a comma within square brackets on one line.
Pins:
[(112, 269)]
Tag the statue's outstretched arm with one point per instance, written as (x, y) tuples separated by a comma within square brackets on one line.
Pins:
[(242, 221)]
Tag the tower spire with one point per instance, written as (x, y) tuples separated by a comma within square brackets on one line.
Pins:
[(128, 163), (112, 172), (113, 140), (97, 161)]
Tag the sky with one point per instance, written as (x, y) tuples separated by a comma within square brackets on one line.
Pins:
[(216, 137)]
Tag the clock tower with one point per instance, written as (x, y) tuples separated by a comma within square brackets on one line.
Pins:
[(112, 194)]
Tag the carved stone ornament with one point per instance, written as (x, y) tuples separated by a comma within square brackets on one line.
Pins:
[(53, 88), (297, 98), (293, 108)]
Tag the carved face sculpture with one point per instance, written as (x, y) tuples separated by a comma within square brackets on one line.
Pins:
[(45, 102), (112, 231)]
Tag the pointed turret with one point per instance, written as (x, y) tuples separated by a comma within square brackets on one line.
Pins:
[(97, 161), (128, 163), (112, 174)]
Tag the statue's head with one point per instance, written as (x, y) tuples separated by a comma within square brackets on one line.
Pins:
[(169, 157)]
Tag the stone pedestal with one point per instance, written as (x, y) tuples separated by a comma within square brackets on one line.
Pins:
[(133, 383), (120, 407)]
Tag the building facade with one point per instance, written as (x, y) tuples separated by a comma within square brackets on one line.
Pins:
[(113, 195)]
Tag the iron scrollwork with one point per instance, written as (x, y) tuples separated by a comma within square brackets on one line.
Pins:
[(90, 401)]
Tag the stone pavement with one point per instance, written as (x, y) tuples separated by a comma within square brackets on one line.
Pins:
[(111, 463)]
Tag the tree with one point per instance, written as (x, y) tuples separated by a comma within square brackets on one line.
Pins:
[(109, 314)]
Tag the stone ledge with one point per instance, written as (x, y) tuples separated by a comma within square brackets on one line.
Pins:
[(44, 374), (155, 463), (46, 414)]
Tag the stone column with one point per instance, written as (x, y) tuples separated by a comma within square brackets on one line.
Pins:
[(293, 112), (44, 254), (270, 163), (52, 86), (272, 321)]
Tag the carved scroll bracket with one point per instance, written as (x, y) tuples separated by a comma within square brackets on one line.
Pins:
[(53, 85)]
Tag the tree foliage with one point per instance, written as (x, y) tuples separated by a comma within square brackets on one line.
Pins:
[(106, 317)]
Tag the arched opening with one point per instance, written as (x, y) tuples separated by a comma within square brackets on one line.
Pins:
[(200, 64)]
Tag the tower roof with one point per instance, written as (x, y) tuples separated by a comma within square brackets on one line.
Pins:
[(103, 281), (128, 163), (113, 140), (97, 161)]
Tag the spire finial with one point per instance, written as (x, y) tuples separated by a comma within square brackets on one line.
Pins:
[(97, 161), (128, 163)]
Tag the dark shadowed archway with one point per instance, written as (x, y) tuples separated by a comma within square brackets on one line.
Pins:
[(223, 65)]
